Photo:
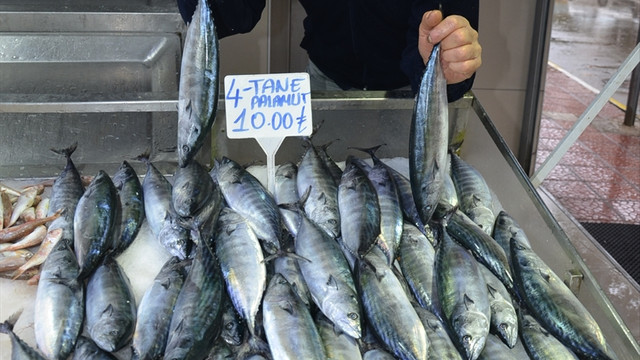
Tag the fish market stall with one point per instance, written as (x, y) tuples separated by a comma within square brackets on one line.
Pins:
[(354, 119)]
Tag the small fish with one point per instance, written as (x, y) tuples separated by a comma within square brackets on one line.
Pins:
[(289, 327), (94, 222), (32, 239), (110, 306), (12, 260), (25, 200), (42, 208), (51, 239), (553, 304), (131, 199), (18, 231), (6, 208), (20, 350), (463, 297), (28, 214), (198, 90), (428, 138)]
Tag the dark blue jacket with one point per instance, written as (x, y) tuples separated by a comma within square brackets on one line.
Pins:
[(364, 44)]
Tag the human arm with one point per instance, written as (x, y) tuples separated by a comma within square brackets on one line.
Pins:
[(231, 17), (458, 38)]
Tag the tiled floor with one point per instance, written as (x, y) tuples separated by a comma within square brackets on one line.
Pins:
[(598, 179)]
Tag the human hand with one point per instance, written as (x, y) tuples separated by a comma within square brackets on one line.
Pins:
[(460, 52)]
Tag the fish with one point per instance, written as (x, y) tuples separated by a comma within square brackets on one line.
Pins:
[(110, 306), (51, 239), (66, 191), (391, 218), (389, 310), (506, 228), (12, 260), (192, 187), (197, 317), (288, 267), (321, 205), (485, 249), (553, 304), (441, 346), (94, 223), (198, 88), (242, 263), (504, 319), (539, 343), (328, 277), (86, 349), (448, 201), (153, 315), (62, 294), (289, 327), (359, 209), (20, 350), (25, 200), (233, 326), (337, 344), (28, 214), (249, 198), (7, 209), (377, 354), (474, 195), (162, 220), (16, 232), (417, 257), (463, 298), (42, 208), (131, 198), (30, 240), (334, 169), (428, 138), (286, 190)]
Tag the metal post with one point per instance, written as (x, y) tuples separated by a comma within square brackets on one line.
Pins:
[(634, 92)]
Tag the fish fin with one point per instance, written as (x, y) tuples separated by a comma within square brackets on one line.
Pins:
[(7, 326), (468, 303), (108, 310), (545, 276), (371, 151), (492, 291), (287, 306), (66, 151), (332, 282)]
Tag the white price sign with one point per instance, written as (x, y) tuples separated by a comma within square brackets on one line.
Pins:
[(268, 105)]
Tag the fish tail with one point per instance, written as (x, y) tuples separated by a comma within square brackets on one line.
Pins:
[(144, 157), (371, 150), (66, 151), (7, 326)]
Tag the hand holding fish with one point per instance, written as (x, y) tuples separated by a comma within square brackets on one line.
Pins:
[(461, 52)]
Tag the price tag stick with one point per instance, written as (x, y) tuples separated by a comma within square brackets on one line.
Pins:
[(270, 147)]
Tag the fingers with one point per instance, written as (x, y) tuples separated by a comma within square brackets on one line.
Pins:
[(460, 51)]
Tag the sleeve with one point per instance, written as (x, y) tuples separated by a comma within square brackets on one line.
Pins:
[(412, 63), (231, 16)]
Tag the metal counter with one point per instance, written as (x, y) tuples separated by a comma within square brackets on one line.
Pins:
[(365, 119)]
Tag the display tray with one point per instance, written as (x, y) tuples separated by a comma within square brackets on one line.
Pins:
[(365, 120)]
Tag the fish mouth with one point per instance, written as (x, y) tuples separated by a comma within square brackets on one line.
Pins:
[(473, 346), (508, 333)]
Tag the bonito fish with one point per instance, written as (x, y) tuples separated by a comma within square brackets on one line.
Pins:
[(198, 92), (131, 204), (428, 138), (20, 350), (553, 304)]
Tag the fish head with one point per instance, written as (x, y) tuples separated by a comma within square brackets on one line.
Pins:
[(343, 308), (484, 217), (175, 239), (111, 335), (471, 329), (508, 327)]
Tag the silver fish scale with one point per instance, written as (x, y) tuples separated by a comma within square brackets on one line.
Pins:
[(192, 188), (66, 191), (359, 210), (322, 204), (59, 291), (553, 304), (286, 191), (242, 263), (389, 310), (248, 197), (110, 306), (198, 90), (338, 345), (390, 211), (328, 277), (288, 325), (154, 311), (428, 138), (463, 297), (417, 261), (132, 206), (506, 228)]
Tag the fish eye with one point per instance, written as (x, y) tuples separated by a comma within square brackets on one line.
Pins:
[(352, 316), (466, 339), (229, 326)]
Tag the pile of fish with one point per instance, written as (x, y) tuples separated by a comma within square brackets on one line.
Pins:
[(357, 261)]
